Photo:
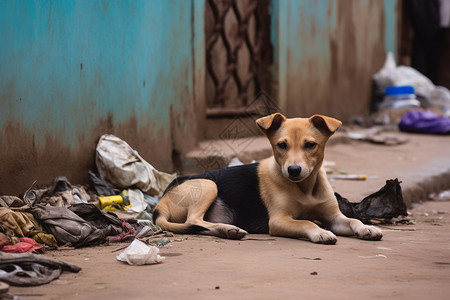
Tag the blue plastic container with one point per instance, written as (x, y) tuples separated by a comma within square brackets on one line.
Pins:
[(399, 96)]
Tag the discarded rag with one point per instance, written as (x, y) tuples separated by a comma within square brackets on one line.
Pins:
[(60, 193), (25, 245), (18, 224), (79, 225), (65, 225), (104, 221), (101, 186), (11, 201), (21, 223), (28, 269)]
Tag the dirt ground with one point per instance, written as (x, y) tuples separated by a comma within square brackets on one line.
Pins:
[(410, 262)]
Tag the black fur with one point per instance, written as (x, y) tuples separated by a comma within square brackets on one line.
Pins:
[(156, 214), (238, 189), (196, 229)]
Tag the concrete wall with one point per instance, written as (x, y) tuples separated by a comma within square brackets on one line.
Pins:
[(327, 51), (74, 70)]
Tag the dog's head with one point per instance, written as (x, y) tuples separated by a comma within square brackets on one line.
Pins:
[(298, 144)]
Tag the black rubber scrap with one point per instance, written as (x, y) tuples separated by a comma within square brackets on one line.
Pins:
[(387, 203)]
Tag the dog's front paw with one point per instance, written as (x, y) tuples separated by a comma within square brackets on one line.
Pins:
[(323, 237), (369, 233), (230, 232), (236, 233)]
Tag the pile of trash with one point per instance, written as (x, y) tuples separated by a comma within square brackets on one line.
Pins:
[(404, 100), (118, 208), (405, 97)]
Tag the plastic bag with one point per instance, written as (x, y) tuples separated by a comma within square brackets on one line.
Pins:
[(386, 203), (119, 164), (440, 98), (138, 253), (393, 75), (137, 202)]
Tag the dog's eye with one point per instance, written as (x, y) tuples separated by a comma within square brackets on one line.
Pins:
[(282, 145), (310, 145)]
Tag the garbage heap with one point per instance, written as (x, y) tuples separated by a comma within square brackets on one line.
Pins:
[(115, 208)]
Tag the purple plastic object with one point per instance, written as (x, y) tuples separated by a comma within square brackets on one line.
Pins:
[(424, 122)]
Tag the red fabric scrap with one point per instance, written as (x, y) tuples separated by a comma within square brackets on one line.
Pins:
[(26, 245)]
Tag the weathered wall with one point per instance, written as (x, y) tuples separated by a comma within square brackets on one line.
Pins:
[(327, 51), (71, 71), (74, 70)]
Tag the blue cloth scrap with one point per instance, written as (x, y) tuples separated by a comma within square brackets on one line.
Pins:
[(424, 122)]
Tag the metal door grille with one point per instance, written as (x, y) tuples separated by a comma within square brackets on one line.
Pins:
[(238, 54)]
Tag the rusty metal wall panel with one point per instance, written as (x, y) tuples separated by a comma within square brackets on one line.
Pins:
[(327, 52)]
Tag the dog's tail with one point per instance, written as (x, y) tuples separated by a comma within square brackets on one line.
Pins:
[(162, 221)]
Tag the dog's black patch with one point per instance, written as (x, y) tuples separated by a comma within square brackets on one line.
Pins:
[(219, 212), (196, 229), (156, 214), (238, 189)]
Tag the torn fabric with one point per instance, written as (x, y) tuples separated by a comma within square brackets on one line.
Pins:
[(79, 225), (18, 224), (28, 269)]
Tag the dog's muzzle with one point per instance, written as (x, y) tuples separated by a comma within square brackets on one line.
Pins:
[(294, 172)]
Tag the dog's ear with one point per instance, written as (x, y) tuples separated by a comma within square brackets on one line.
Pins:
[(326, 125), (270, 123)]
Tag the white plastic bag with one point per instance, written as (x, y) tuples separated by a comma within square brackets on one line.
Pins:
[(119, 164), (137, 201), (440, 98), (391, 74), (138, 253)]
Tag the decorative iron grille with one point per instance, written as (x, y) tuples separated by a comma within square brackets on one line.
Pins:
[(238, 54)]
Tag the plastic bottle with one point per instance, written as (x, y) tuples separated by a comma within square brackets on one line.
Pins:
[(399, 96), (110, 200)]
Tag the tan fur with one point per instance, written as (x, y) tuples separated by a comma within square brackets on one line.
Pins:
[(292, 201), (186, 204)]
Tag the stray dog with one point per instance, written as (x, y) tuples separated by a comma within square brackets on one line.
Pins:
[(283, 195)]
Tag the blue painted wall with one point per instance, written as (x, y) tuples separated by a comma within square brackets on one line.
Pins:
[(120, 57), (73, 70), (391, 12)]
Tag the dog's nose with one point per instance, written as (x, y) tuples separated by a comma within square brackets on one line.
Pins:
[(294, 170)]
